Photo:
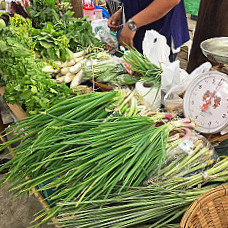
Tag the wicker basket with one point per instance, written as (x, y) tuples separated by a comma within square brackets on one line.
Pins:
[(210, 210)]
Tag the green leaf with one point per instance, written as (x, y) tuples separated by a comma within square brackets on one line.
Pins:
[(57, 52), (46, 44), (70, 54), (3, 46), (52, 54), (34, 89), (63, 55), (53, 91)]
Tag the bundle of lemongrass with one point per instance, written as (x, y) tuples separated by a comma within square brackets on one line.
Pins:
[(84, 153)]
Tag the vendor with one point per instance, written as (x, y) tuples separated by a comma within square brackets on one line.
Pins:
[(167, 17)]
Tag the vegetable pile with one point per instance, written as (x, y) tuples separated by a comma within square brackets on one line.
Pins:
[(78, 148), (107, 69), (70, 71), (25, 51), (107, 161), (25, 83)]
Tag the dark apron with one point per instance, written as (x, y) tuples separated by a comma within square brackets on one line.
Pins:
[(172, 25)]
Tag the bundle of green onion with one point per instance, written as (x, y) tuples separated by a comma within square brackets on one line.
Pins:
[(164, 200), (155, 205), (149, 72), (217, 173), (83, 153), (151, 206), (188, 170)]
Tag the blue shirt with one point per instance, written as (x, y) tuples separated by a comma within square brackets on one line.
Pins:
[(173, 25)]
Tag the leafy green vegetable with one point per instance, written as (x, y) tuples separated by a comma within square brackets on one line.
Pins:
[(45, 42), (78, 31), (43, 11), (22, 74), (50, 43)]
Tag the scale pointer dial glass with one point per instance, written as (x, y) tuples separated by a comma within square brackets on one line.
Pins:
[(206, 102)]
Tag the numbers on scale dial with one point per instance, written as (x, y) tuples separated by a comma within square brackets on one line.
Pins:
[(210, 91)]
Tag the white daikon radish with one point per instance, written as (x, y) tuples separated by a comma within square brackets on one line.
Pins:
[(48, 69), (77, 80), (58, 75), (60, 79), (56, 71), (71, 63), (69, 77), (65, 70), (77, 60), (68, 64), (79, 54), (76, 68), (64, 65)]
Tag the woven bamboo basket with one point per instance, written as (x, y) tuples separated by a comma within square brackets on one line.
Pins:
[(210, 210)]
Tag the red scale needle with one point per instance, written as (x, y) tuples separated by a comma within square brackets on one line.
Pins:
[(206, 105)]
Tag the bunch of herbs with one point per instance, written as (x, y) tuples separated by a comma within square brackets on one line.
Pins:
[(25, 83)]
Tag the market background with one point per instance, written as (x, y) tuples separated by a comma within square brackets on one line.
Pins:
[(20, 213)]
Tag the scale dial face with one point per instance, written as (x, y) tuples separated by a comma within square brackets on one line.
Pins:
[(206, 102)]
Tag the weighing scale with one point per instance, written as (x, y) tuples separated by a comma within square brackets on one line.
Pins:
[(206, 102), (206, 99)]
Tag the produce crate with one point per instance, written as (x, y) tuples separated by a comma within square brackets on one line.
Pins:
[(192, 6)]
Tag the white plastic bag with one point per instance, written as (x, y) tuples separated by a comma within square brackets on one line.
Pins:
[(155, 48), (173, 100), (170, 76)]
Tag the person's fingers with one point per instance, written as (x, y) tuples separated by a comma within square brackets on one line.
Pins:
[(114, 28), (126, 43), (110, 22), (131, 43)]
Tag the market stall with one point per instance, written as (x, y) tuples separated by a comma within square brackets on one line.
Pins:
[(103, 140)]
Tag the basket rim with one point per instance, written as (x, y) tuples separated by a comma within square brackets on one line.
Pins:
[(200, 202)]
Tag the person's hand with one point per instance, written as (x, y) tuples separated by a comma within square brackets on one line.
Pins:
[(115, 21), (127, 36)]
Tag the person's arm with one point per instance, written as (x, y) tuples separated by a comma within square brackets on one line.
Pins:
[(155, 11)]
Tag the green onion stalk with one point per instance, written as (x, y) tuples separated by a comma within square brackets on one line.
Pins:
[(87, 107), (217, 173), (152, 206), (85, 160), (149, 72)]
